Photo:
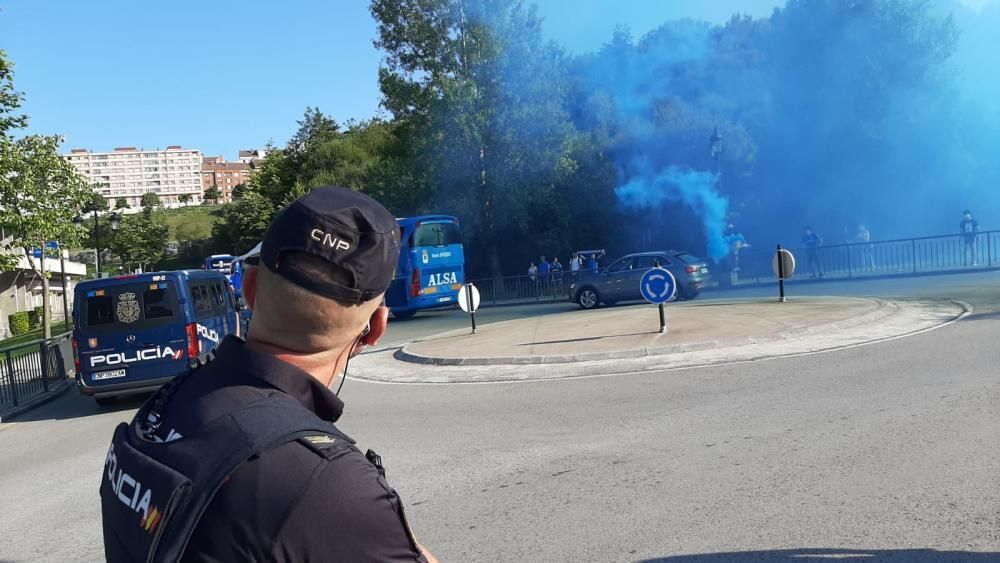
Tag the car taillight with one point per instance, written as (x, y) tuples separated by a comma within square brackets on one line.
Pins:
[(415, 283), (76, 355), (194, 346), (691, 269)]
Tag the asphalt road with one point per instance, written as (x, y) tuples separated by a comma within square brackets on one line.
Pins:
[(886, 452)]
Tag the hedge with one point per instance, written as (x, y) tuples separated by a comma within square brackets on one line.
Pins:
[(33, 318), (18, 323)]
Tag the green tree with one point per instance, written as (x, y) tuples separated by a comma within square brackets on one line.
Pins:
[(184, 199), (140, 240), (243, 222), (314, 128), (149, 200), (10, 99), (485, 97), (39, 195), (213, 194), (121, 203)]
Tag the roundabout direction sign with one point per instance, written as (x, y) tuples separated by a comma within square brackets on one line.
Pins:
[(468, 301), (658, 286), (783, 265)]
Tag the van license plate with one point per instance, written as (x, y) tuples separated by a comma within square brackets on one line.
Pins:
[(108, 374), (444, 299)]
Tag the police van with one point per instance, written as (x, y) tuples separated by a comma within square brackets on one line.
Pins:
[(134, 333)]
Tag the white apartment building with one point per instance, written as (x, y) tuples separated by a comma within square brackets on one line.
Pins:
[(129, 172)]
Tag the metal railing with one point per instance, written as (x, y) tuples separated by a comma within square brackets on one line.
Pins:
[(921, 255), (525, 289), (937, 254), (33, 368)]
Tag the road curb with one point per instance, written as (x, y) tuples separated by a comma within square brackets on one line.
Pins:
[(405, 354), (58, 389)]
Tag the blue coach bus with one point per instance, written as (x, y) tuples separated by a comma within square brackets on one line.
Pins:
[(219, 263), (431, 266)]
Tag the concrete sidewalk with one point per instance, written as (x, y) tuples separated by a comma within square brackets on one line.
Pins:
[(619, 340)]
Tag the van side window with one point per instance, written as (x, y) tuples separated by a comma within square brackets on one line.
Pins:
[(218, 300), (202, 302)]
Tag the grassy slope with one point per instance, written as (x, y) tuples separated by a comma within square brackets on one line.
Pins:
[(192, 222)]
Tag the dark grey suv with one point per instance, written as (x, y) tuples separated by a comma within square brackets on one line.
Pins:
[(620, 280)]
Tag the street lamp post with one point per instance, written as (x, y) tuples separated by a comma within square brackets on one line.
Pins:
[(715, 149), (78, 221)]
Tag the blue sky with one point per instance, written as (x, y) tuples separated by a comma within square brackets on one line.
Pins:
[(222, 75)]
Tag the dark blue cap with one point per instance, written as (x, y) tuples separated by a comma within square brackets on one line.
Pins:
[(348, 229)]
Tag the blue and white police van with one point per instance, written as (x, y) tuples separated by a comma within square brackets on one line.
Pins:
[(132, 334)]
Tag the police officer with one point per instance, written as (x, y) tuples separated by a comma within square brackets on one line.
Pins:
[(239, 460)]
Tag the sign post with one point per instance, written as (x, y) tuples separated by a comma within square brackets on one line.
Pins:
[(468, 300), (658, 286), (783, 265)]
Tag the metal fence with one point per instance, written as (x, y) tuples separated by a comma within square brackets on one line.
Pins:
[(33, 368), (836, 261), (877, 258), (525, 289)]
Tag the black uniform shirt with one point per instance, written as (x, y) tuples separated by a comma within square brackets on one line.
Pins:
[(293, 503)]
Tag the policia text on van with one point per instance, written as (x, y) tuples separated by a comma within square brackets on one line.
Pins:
[(134, 333)]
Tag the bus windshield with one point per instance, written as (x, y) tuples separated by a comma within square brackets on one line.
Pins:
[(435, 234)]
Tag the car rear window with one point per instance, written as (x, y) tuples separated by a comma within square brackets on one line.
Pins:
[(689, 258), (140, 304)]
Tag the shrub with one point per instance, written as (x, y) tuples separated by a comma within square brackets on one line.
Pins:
[(33, 318), (18, 323)]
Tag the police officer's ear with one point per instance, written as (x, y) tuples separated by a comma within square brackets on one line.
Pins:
[(377, 324), (250, 286)]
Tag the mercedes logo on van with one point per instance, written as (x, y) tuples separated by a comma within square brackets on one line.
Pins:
[(130, 339)]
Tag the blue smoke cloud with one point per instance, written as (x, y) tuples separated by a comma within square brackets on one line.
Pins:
[(695, 189), (641, 80)]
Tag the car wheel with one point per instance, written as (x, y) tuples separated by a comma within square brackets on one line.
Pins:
[(106, 401), (403, 314), (588, 298), (687, 295)]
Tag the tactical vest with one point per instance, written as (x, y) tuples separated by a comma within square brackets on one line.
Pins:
[(153, 493)]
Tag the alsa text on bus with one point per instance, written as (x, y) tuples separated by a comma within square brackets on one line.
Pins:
[(444, 278)]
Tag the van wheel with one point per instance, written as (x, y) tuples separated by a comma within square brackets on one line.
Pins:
[(588, 298), (403, 314), (106, 401)]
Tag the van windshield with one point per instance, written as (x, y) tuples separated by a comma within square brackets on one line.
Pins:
[(127, 306)]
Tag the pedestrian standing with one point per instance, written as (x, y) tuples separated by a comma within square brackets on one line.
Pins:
[(736, 242), (592, 264), (864, 237), (969, 228), (811, 242), (557, 269), (533, 271), (239, 459)]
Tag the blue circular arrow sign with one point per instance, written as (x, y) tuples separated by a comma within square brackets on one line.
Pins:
[(658, 286)]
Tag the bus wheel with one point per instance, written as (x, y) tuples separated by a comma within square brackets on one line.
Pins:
[(403, 314), (106, 401)]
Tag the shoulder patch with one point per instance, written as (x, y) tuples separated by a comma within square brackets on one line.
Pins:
[(319, 440), (326, 445)]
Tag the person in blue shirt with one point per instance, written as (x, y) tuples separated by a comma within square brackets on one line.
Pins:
[(811, 242), (592, 263), (544, 267)]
